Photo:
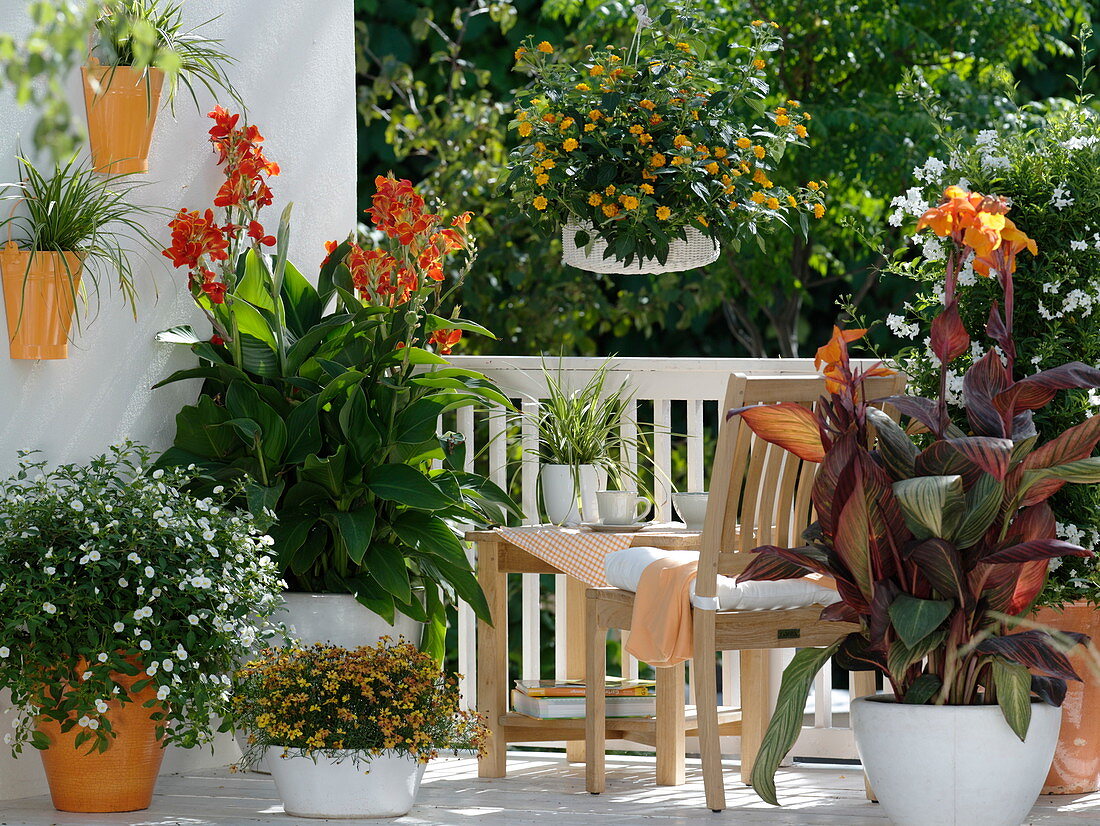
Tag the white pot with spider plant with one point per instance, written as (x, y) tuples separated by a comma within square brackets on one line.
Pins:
[(581, 444), (62, 226), (137, 46)]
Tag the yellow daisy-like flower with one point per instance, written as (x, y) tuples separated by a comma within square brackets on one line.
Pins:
[(794, 103), (570, 144), (596, 70), (683, 47), (647, 188), (681, 141), (657, 160), (521, 116), (542, 179), (566, 123), (645, 139), (744, 143), (636, 129), (629, 201), (813, 185), (545, 47), (801, 131), (615, 58), (520, 52), (540, 203), (782, 120), (549, 163), (720, 152), (759, 151), (758, 197), (610, 191), (712, 168), (759, 177), (757, 23), (524, 130), (663, 213), (583, 87), (792, 200), (680, 160), (646, 103), (595, 199), (819, 210), (773, 203), (595, 114), (647, 175), (589, 127), (610, 210), (758, 64)]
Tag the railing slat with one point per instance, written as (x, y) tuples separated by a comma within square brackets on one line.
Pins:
[(696, 469), (662, 457), (467, 622)]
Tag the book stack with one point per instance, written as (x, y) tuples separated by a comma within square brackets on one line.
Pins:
[(564, 700)]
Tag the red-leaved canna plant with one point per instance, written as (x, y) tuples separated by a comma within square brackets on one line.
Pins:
[(321, 399), (938, 550)]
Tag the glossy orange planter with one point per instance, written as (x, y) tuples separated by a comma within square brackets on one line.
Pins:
[(120, 779), (39, 292), (1076, 766), (122, 104)]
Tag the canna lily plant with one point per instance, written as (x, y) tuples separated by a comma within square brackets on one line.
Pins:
[(939, 548)]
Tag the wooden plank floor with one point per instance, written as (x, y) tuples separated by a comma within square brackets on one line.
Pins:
[(540, 789)]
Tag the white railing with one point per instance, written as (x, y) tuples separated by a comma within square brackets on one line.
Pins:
[(675, 406)]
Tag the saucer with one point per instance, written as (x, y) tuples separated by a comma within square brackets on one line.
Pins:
[(602, 528)]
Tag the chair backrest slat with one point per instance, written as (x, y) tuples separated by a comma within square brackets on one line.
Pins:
[(759, 493)]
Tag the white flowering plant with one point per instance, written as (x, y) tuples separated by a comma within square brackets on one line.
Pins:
[(112, 572), (1045, 164)]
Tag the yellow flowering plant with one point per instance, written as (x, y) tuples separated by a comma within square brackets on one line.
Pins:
[(646, 141), (351, 704)]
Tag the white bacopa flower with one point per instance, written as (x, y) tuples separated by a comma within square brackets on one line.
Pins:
[(93, 724), (5, 652), (76, 505), (50, 570), (152, 669), (133, 557), (167, 665), (145, 645), (156, 592), (119, 627), (101, 706), (163, 692), (208, 535), (1078, 246), (102, 657), (49, 607), (83, 721), (83, 560), (181, 652), (139, 590), (158, 473), (218, 489), (123, 583), (194, 620), (149, 572), (8, 739), (1060, 198), (94, 556), (87, 675)]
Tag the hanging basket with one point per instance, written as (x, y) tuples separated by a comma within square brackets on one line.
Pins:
[(697, 250), (39, 288), (122, 104)]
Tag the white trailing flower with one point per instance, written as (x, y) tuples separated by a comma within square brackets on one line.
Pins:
[(103, 657), (101, 706), (900, 328), (1060, 198), (119, 627), (49, 607), (133, 557), (5, 652), (145, 645), (163, 692), (76, 505)]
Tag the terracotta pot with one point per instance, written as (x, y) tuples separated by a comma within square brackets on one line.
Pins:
[(39, 290), (120, 779), (122, 106), (1076, 766)]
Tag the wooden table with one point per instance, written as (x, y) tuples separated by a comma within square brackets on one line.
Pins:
[(496, 558)]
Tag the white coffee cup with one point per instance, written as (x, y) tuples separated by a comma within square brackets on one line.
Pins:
[(692, 508), (621, 507)]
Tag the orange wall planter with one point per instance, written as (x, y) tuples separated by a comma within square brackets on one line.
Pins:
[(38, 296), (1076, 766), (121, 115), (120, 779)]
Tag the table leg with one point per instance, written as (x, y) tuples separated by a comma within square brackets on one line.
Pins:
[(492, 660), (575, 598)]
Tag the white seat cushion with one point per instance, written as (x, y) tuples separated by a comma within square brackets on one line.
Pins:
[(623, 569)]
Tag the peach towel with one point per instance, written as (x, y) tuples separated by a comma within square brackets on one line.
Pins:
[(661, 626)]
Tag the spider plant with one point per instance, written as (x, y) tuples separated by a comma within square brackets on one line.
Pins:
[(582, 426), (73, 209), (148, 33)]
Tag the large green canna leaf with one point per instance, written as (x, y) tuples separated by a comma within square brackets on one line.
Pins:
[(303, 432), (358, 428), (255, 286), (329, 472), (243, 401), (300, 301), (900, 656), (1013, 683), (932, 505), (386, 564), (914, 619), (354, 529), (922, 689), (983, 504), (434, 322), (407, 486), (258, 357), (894, 445), (1035, 485), (786, 722), (417, 422), (202, 429)]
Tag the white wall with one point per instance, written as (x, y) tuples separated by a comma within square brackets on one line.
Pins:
[(295, 72)]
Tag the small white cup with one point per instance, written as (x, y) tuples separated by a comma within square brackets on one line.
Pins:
[(621, 507), (692, 508)]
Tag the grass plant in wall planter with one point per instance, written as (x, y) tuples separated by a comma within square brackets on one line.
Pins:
[(324, 400), (939, 549), (648, 158), (348, 733), (125, 605), (137, 46), (64, 224)]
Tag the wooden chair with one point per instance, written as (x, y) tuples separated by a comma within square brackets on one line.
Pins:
[(759, 494)]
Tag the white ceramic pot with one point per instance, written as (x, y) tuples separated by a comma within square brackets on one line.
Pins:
[(384, 787), (696, 250), (953, 765), (342, 620), (560, 492)]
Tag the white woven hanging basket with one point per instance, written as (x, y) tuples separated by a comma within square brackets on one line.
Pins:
[(697, 250)]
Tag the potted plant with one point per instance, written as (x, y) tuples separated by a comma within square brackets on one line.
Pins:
[(348, 733), (125, 604), (1046, 172), (137, 45), (648, 158), (73, 223), (328, 417), (939, 551), (581, 443)]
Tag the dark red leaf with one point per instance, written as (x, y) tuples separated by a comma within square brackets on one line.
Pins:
[(939, 562), (982, 382), (1036, 390), (886, 591), (1035, 549), (1035, 649), (852, 541), (1050, 690), (1035, 522), (838, 461), (995, 326), (855, 655), (925, 411), (768, 566), (1077, 442), (941, 459), (990, 454), (839, 612), (949, 337)]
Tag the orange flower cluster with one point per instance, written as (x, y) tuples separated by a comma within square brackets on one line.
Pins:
[(195, 235), (369, 700), (979, 222), (833, 362), (245, 165)]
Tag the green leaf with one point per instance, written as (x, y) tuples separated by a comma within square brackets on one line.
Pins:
[(786, 721), (1013, 683), (358, 428), (983, 504), (355, 529), (328, 472), (255, 286), (386, 564), (434, 322), (894, 445), (430, 535), (407, 486), (258, 358), (243, 401), (261, 498), (201, 429), (303, 432), (932, 505), (300, 300), (900, 656), (289, 533), (417, 355), (914, 619), (417, 422), (184, 334), (922, 689)]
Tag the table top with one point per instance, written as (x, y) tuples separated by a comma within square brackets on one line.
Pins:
[(663, 537)]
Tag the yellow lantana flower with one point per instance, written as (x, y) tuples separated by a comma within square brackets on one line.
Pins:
[(595, 199), (720, 152), (801, 131), (524, 130), (681, 140), (570, 144), (542, 179), (712, 168), (583, 87), (629, 201), (744, 143), (680, 160), (758, 64), (647, 188), (596, 70), (637, 129), (520, 52), (610, 191), (540, 203), (566, 123), (657, 159), (663, 213), (545, 47), (813, 185), (610, 210), (589, 127), (773, 203), (646, 103), (759, 151), (758, 197), (819, 210), (782, 120)]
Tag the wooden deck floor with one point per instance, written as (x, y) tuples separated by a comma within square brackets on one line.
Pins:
[(541, 789)]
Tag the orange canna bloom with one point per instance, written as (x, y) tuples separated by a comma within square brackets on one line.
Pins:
[(1003, 258)]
